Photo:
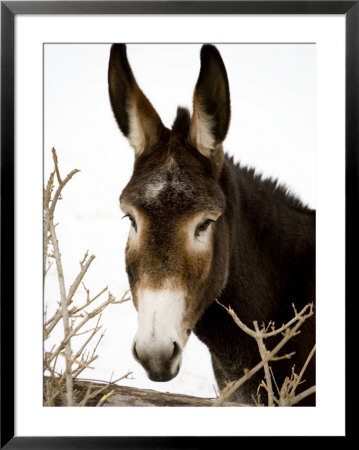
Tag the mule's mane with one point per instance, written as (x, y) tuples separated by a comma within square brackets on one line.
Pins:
[(272, 186), (182, 121)]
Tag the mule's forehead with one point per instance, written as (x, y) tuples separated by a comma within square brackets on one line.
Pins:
[(173, 188), (168, 181)]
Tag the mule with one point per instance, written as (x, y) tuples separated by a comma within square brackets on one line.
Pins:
[(205, 228)]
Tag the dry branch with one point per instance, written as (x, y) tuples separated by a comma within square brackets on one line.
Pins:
[(61, 384), (289, 330), (50, 206)]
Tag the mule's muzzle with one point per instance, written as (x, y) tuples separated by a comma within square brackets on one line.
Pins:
[(162, 362)]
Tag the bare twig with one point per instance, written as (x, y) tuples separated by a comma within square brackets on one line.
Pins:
[(300, 376), (105, 397), (263, 352), (62, 184), (298, 398), (73, 318), (53, 321), (75, 284), (73, 331), (266, 355), (64, 312), (94, 394)]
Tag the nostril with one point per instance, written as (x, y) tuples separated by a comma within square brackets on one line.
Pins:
[(176, 351)]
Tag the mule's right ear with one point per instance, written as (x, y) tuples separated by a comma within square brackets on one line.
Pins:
[(211, 104), (135, 115)]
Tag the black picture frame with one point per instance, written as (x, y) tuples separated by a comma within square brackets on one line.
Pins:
[(9, 10)]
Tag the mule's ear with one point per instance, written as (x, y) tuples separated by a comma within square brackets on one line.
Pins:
[(135, 115), (211, 104)]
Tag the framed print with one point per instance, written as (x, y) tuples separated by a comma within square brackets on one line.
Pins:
[(199, 159)]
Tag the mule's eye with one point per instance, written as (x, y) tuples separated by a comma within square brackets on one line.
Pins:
[(132, 220), (203, 227)]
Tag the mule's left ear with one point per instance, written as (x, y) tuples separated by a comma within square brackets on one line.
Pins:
[(211, 104)]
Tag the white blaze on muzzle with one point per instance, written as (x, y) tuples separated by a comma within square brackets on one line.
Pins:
[(161, 335)]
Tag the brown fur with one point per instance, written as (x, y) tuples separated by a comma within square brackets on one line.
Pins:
[(260, 257)]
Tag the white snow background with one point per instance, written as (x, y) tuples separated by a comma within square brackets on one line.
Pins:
[(273, 128)]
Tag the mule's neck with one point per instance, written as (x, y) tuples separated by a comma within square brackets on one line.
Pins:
[(272, 241)]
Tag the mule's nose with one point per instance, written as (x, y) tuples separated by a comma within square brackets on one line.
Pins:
[(161, 361)]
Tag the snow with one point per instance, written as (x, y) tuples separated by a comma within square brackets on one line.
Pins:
[(273, 126)]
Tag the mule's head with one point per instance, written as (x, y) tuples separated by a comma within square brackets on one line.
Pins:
[(177, 250)]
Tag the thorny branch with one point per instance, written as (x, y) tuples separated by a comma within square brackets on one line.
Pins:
[(60, 384), (64, 313), (287, 395), (50, 202)]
